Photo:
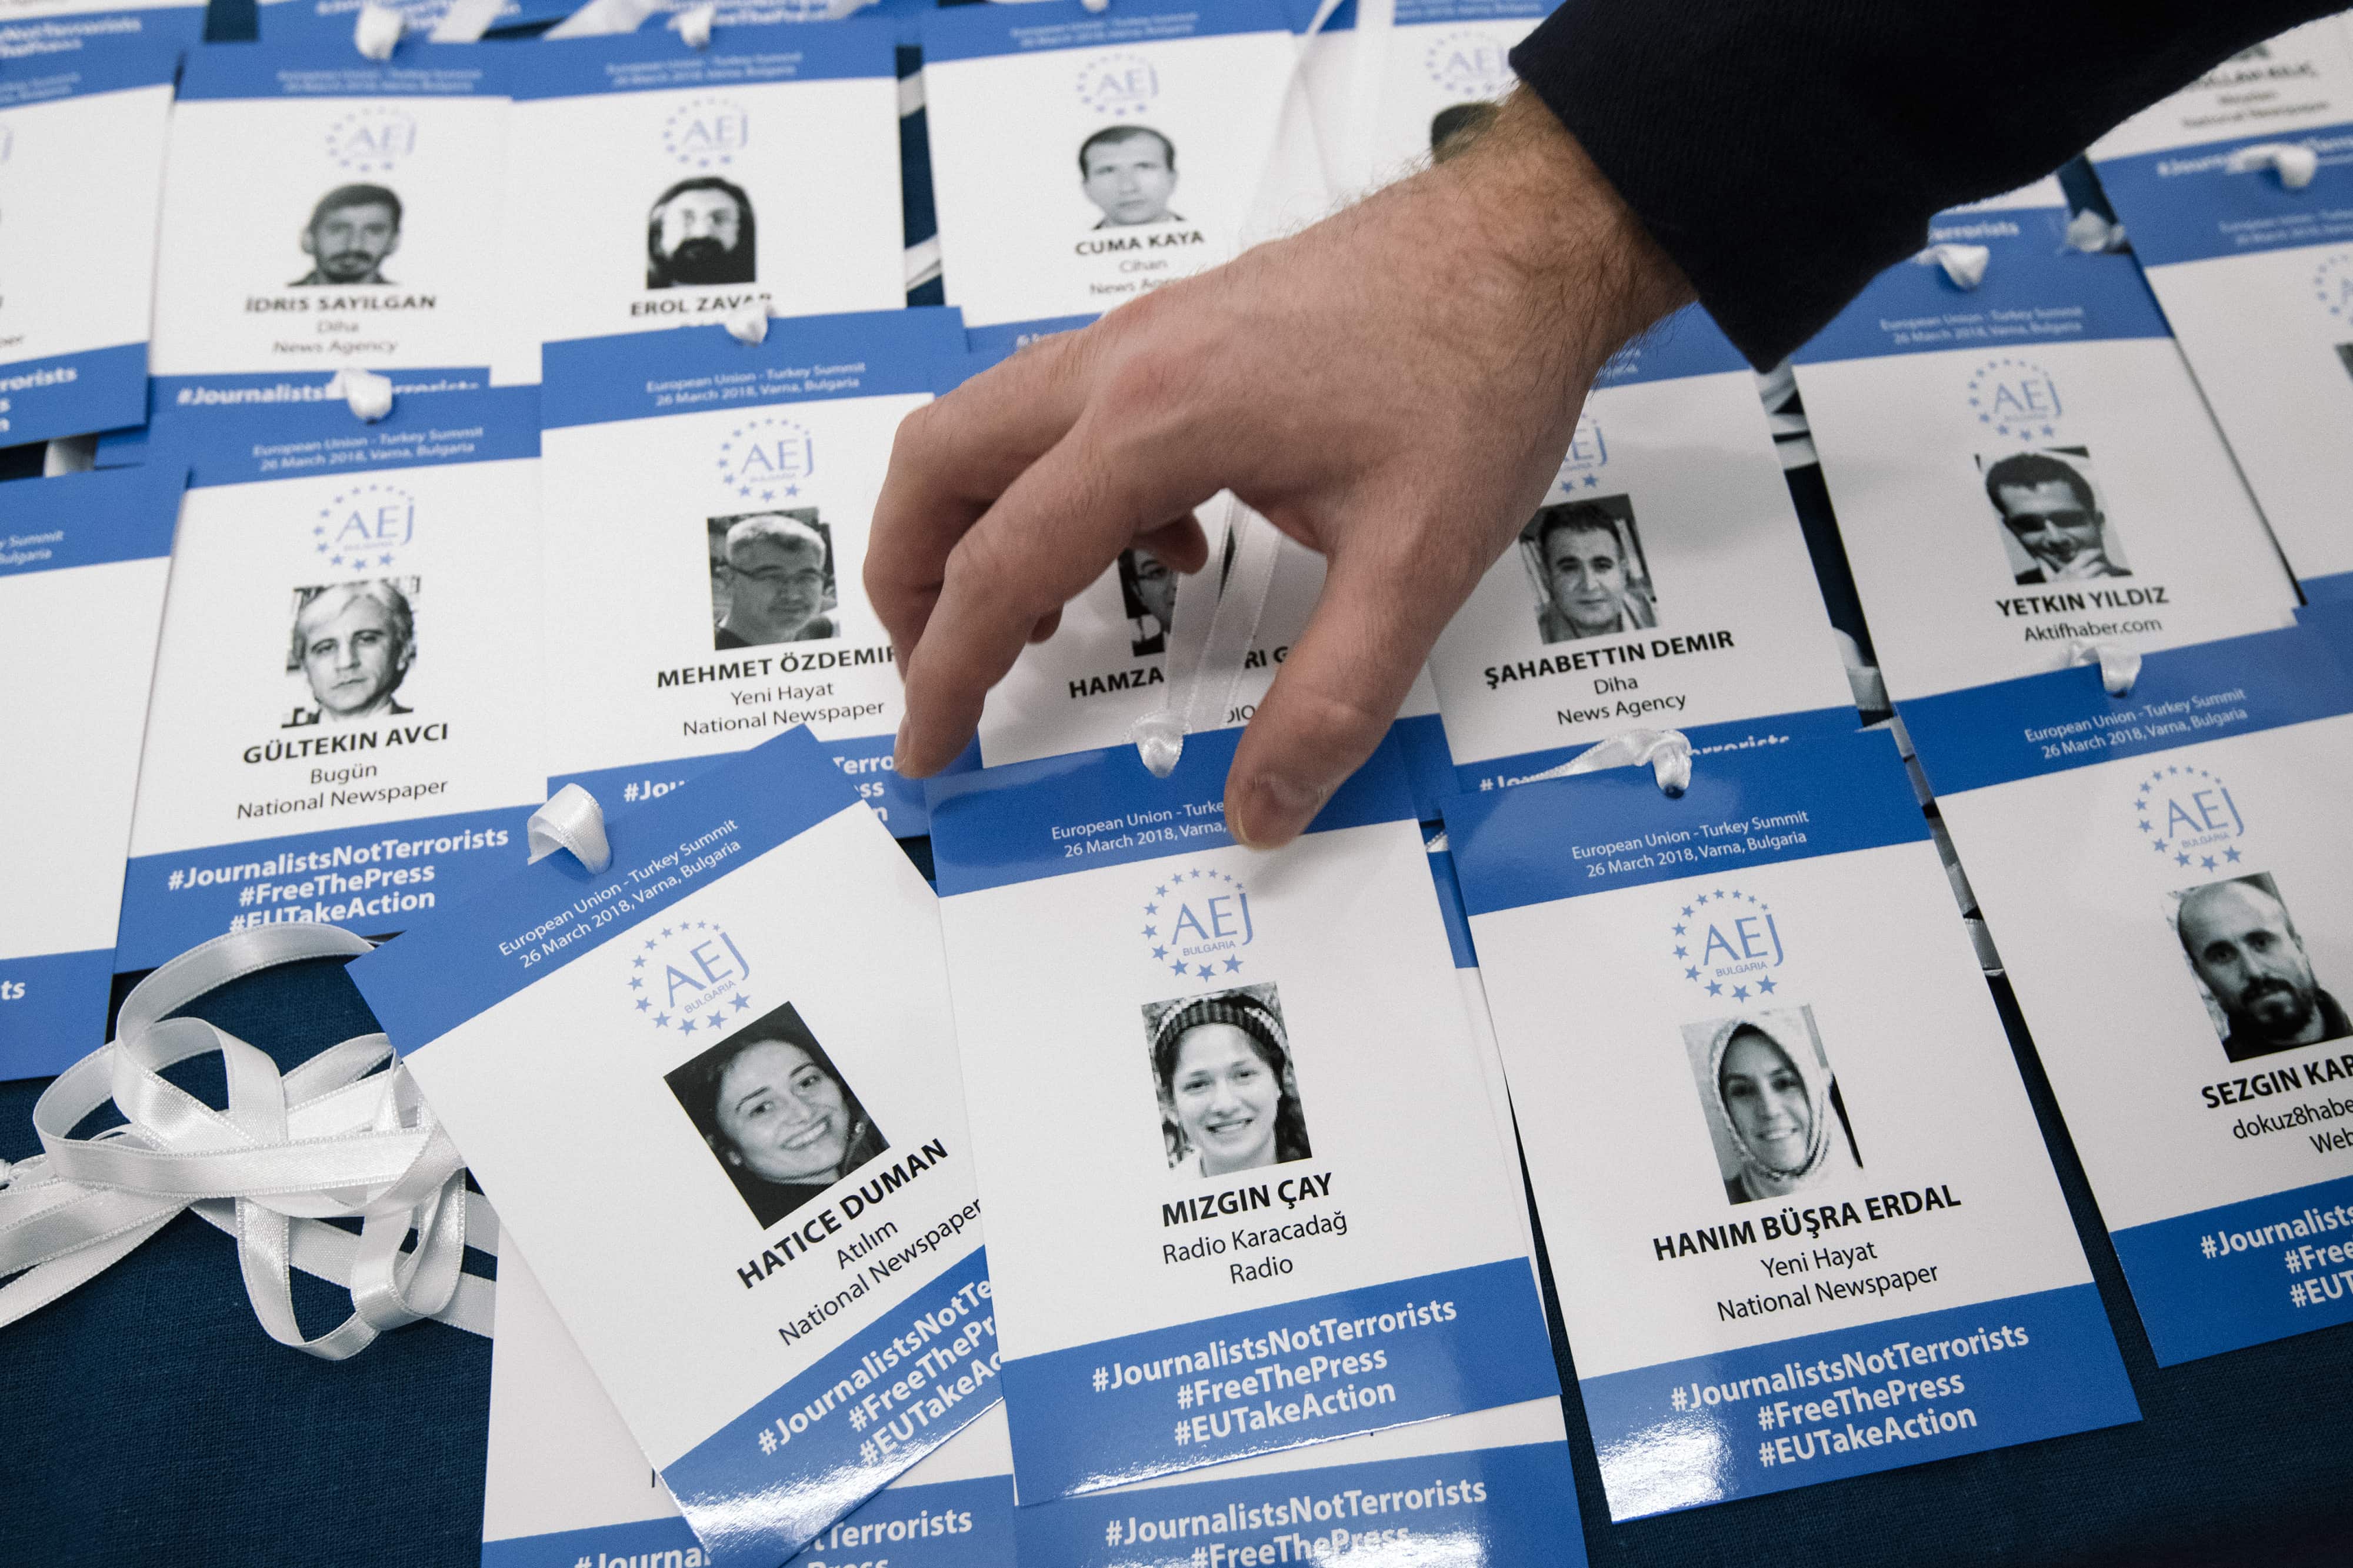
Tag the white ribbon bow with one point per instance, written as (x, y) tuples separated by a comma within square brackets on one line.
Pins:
[(377, 31), (334, 1139), (1965, 265), (1667, 752), (2119, 665), (694, 26), (368, 393), (570, 820), (2295, 164), (748, 323)]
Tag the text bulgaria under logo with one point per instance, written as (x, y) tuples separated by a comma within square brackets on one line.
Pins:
[(1118, 85), (766, 459), (1469, 64), (1587, 455), (2015, 398), (370, 140), (689, 977), (365, 528), (1196, 922), (2332, 280), (707, 132), (1726, 943), (2186, 814)]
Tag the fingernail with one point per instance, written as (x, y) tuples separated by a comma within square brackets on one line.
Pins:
[(899, 748), (1273, 811)]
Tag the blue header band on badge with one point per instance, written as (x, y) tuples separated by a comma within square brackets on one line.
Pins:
[(1688, 342), (2037, 292), (769, 1482), (993, 345), (803, 358), (467, 959), (2183, 205), (1596, 832), (1060, 815), (864, 760), (1492, 1508), (1269, 1378), (979, 32), (2012, 730), (237, 446), (656, 60), (1795, 1411), (320, 66), (2247, 1273), (88, 520), (78, 62), (945, 1524)]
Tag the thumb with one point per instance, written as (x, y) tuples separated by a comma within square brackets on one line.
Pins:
[(1335, 697)]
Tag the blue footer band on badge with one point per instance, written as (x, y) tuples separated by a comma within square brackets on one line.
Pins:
[(1122, 1410), (950, 1524), (1485, 1507), (1821, 1407), (52, 1010), (769, 1482), (1737, 735), (73, 394), (2247, 1273), (373, 880), (865, 761)]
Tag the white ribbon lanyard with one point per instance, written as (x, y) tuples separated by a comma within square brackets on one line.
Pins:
[(376, 30), (570, 820), (1667, 753), (331, 1139), (2293, 163), (1964, 265)]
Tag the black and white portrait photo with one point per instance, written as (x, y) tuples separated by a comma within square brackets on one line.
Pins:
[(1585, 559), (771, 578), (352, 646), (1457, 119), (2253, 970), (1147, 593), (2054, 526), (701, 231), (776, 1114), (1228, 1096), (1773, 1107), (1129, 172), (352, 231)]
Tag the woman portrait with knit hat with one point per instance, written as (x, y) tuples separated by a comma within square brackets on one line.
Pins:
[(1229, 1098)]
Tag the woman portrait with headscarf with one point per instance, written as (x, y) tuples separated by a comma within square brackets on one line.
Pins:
[(1777, 1102), (1229, 1100)]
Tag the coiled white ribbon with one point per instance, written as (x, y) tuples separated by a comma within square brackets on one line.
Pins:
[(1667, 752), (332, 1139), (377, 31), (570, 820), (2119, 665), (1964, 265), (368, 395), (2295, 164)]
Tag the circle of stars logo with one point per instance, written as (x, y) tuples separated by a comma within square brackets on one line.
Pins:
[(1588, 454), (2014, 398), (1468, 63), (766, 460), (1118, 85), (2184, 814), (687, 979), (1688, 936), (370, 140), (1209, 905), (364, 529), (706, 132), (2332, 285)]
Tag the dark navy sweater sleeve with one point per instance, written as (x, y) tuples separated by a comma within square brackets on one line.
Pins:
[(1785, 152)]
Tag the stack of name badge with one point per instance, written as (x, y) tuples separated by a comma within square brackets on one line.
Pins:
[(79, 114), (1447, 63), (642, 171), (2255, 269), (2026, 465), (82, 566), (1816, 1230), (564, 1483), (1663, 583), (750, 1001), (1301, 1220), (772, 454), (324, 210), (344, 725), (1080, 159)]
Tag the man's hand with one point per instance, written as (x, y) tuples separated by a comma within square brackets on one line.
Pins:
[(1393, 387)]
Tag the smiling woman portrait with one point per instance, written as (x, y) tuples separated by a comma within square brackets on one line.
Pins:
[(776, 1114), (1229, 1098), (1775, 1112)]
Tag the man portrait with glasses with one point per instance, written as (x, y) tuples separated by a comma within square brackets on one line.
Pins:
[(2050, 509), (773, 581)]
